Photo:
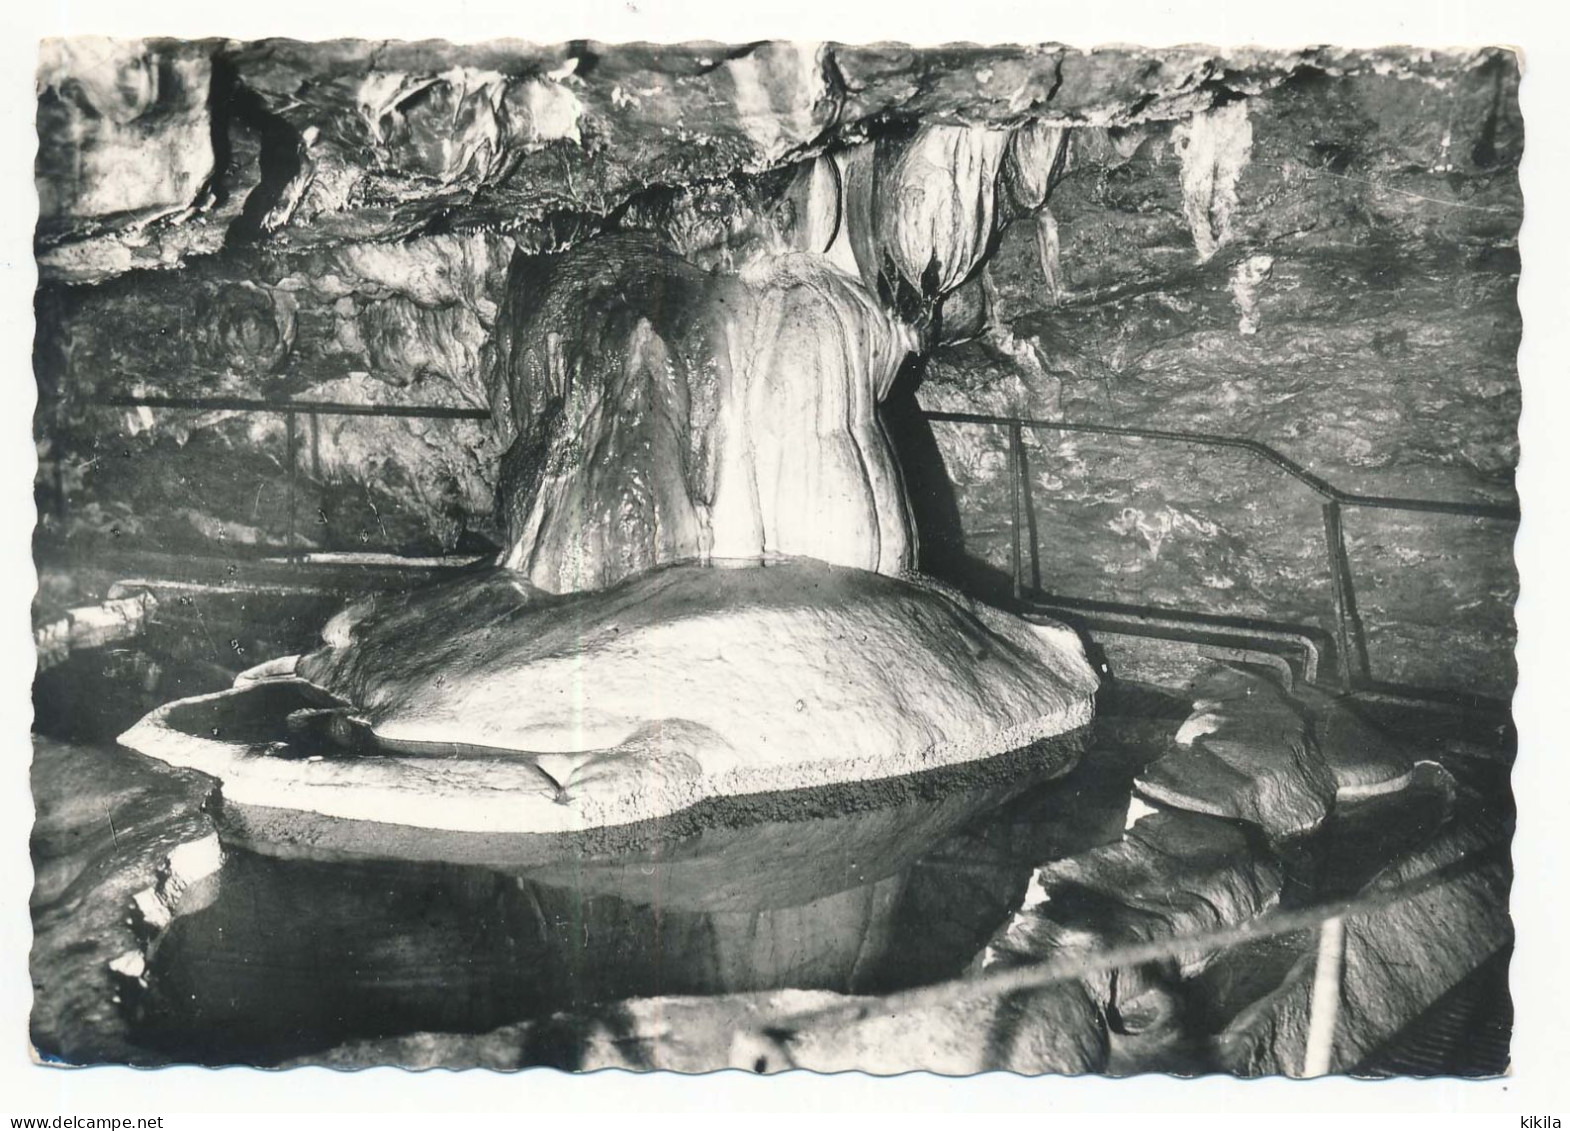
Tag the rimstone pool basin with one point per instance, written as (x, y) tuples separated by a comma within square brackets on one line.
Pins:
[(485, 707)]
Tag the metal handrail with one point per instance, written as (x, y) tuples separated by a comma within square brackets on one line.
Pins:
[(290, 409), (1351, 641), (1350, 638), (1322, 488), (304, 408)]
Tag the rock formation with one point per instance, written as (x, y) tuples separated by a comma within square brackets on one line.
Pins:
[(658, 414), (1247, 754), (1171, 875), (681, 279), (920, 211), (1252, 752), (698, 388), (501, 709)]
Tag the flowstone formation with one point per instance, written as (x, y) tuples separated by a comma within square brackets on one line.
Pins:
[(685, 759), (706, 585), (662, 413)]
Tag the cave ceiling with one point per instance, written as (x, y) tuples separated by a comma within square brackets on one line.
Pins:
[(154, 152)]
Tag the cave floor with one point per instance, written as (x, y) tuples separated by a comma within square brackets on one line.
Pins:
[(296, 957), (290, 957)]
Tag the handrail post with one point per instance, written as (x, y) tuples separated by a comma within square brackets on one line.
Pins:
[(1324, 1003), (1016, 477), (1028, 529), (1350, 637), (1349, 628), (290, 461)]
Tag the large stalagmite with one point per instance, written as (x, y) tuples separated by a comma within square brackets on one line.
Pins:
[(679, 763), (659, 413), (705, 585)]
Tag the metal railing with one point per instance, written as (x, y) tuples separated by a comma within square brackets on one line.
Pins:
[(1351, 643), (1485, 864), (291, 410), (1350, 639)]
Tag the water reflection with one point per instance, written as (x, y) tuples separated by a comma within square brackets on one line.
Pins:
[(862, 889)]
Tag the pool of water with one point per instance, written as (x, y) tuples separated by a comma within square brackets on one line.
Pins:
[(298, 953)]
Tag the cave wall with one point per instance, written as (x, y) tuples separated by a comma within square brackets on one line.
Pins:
[(1314, 249), (363, 324), (1346, 294)]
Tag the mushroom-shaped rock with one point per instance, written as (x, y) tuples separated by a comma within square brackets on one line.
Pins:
[(485, 705)]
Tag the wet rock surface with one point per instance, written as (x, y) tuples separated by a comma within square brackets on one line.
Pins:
[(856, 892), (1454, 921), (1053, 1031), (1245, 753), (1315, 250), (657, 413), (1172, 874), (1336, 279), (105, 827), (380, 140)]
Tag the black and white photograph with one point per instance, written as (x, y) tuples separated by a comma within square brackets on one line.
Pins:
[(788, 556)]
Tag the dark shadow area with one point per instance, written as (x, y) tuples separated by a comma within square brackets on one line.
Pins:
[(934, 505), (295, 955), (1465, 1033)]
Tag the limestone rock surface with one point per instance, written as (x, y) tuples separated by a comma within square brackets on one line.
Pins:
[(1172, 874), (95, 846), (126, 128), (920, 211), (1377, 347), (1051, 1031), (317, 144), (1398, 958)]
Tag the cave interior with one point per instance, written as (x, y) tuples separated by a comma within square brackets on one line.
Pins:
[(1209, 354)]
